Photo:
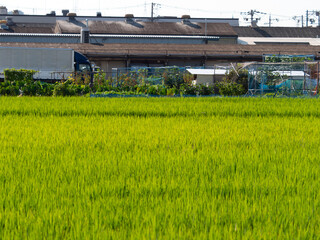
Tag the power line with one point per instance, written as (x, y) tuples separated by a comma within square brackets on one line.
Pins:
[(251, 14), (311, 15), (196, 10)]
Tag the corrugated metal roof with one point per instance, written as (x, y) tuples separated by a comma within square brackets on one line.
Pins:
[(39, 35), (176, 50), (286, 32), (153, 36), (147, 28), (30, 28), (259, 40)]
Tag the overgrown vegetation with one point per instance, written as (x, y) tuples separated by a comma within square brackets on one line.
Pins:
[(235, 82), (18, 75), (162, 83)]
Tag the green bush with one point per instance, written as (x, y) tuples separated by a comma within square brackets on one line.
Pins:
[(205, 90), (64, 89), (238, 75), (9, 89), (13, 75), (189, 90), (152, 90), (230, 89)]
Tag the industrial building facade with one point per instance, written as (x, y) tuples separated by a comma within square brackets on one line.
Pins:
[(116, 42)]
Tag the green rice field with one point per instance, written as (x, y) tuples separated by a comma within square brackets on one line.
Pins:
[(159, 168)]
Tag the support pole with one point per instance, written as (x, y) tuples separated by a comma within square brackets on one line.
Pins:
[(318, 77), (304, 78), (152, 12)]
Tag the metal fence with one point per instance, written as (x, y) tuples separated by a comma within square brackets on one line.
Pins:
[(156, 75), (301, 78)]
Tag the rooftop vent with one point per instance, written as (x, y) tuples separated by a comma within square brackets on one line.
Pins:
[(52, 13), (129, 18), (3, 10), (185, 18), (15, 12), (72, 16), (65, 12), (99, 14)]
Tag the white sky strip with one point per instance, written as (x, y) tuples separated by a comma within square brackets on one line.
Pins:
[(283, 10)]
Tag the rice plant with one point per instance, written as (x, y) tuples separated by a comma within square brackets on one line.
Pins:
[(159, 168)]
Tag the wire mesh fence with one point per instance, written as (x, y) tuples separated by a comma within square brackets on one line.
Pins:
[(291, 79), (172, 75)]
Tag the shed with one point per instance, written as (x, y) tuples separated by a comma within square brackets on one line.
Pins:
[(207, 76)]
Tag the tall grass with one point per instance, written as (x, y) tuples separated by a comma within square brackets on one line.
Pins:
[(213, 168)]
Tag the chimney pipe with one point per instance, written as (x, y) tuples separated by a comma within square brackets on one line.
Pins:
[(72, 16), (129, 18), (185, 18), (65, 12)]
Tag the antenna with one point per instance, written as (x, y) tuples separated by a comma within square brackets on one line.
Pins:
[(252, 13)]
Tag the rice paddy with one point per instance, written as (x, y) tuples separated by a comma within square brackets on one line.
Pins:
[(159, 168)]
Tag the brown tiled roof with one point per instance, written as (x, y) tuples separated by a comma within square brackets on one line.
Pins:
[(147, 28), (292, 32), (176, 50)]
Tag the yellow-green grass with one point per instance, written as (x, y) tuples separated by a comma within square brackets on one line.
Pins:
[(194, 168)]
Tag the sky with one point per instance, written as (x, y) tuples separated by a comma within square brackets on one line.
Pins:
[(282, 11)]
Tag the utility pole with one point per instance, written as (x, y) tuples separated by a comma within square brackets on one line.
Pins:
[(153, 8), (152, 12), (313, 14), (297, 18), (271, 20), (252, 13)]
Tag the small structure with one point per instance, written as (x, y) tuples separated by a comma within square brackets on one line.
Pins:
[(207, 77), (295, 78)]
